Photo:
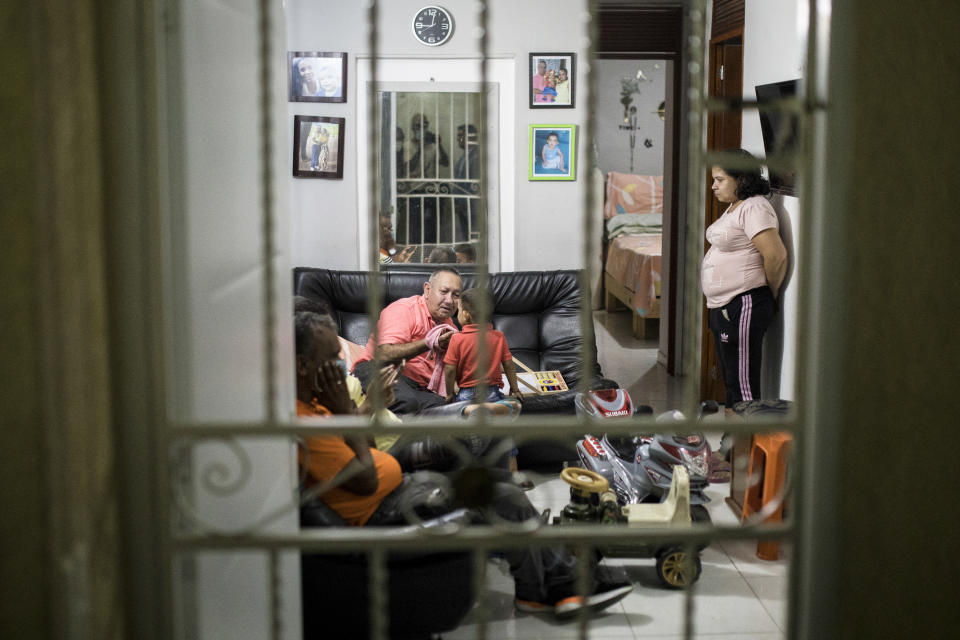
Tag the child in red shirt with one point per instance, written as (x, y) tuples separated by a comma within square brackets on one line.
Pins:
[(460, 362)]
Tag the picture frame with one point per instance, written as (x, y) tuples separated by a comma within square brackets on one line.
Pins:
[(546, 164), (317, 76), (318, 147), (561, 93)]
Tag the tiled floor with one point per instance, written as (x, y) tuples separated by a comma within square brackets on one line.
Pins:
[(738, 595)]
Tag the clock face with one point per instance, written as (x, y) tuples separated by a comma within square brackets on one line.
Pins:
[(432, 26)]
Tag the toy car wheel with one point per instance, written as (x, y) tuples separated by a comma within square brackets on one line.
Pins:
[(677, 568), (699, 513)]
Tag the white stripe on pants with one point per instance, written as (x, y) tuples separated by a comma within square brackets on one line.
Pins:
[(744, 347)]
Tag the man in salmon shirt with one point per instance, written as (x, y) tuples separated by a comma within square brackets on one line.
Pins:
[(402, 331)]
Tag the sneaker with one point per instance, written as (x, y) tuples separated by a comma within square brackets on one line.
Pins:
[(532, 606), (604, 595)]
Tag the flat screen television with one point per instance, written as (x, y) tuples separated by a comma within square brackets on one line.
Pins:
[(779, 131)]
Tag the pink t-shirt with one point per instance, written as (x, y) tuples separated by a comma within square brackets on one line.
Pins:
[(733, 264), (539, 82), (406, 320)]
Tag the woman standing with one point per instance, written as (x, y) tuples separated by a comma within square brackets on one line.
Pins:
[(741, 276)]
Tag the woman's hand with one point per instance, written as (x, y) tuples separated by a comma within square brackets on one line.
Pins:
[(332, 389), (383, 382)]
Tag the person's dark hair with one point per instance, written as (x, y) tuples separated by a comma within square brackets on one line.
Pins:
[(436, 272), (468, 250), (442, 255), (468, 133), (472, 299), (305, 325), (750, 182), (302, 303), (297, 83)]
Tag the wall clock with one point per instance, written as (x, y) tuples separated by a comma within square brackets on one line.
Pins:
[(433, 26)]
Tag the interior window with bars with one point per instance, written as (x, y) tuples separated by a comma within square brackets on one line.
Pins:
[(430, 170)]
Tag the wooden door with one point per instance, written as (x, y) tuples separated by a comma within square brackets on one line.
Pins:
[(723, 132)]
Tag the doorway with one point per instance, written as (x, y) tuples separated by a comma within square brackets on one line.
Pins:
[(651, 35)]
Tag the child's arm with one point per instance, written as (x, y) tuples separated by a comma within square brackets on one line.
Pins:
[(450, 377), (560, 153), (511, 370)]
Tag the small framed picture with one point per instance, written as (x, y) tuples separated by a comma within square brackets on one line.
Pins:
[(317, 77), (318, 147), (553, 80), (553, 151)]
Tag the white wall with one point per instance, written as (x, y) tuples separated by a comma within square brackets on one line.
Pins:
[(214, 279), (323, 213), (613, 142), (773, 50)]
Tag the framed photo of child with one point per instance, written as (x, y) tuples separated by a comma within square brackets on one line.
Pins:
[(553, 151), (552, 80), (318, 147), (316, 76)]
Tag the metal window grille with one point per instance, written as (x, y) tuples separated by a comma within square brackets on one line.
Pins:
[(190, 535), (437, 188)]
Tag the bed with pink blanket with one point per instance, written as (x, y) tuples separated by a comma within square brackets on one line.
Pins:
[(633, 226)]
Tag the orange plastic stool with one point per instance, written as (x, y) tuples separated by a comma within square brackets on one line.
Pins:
[(768, 459)]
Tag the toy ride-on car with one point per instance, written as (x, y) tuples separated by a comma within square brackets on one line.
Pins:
[(591, 500)]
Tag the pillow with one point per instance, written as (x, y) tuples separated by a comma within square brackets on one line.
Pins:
[(631, 224), (629, 193), (351, 351)]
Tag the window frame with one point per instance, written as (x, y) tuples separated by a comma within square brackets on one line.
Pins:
[(417, 74)]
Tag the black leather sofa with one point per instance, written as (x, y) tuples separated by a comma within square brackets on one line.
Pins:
[(538, 312)]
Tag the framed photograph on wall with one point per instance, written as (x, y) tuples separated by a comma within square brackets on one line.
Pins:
[(553, 151), (317, 77), (318, 147), (552, 80)]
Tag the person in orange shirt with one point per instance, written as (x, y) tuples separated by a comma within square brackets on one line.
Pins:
[(364, 485), (352, 477)]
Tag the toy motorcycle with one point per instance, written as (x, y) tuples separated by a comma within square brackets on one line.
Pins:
[(607, 403), (640, 467)]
